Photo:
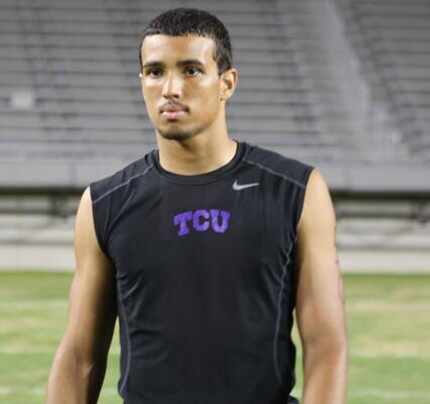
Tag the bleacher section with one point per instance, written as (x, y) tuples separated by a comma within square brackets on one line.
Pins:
[(392, 38), (80, 60), (71, 108)]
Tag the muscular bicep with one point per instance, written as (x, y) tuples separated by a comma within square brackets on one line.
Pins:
[(320, 302), (92, 300)]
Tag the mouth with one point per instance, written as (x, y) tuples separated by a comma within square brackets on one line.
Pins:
[(172, 115)]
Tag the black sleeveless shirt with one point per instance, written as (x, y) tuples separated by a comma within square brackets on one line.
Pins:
[(205, 276)]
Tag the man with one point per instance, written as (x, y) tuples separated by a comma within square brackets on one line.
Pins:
[(203, 247)]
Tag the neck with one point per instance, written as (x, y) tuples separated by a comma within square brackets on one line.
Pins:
[(200, 154)]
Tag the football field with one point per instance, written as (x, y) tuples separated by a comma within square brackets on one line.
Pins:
[(388, 327)]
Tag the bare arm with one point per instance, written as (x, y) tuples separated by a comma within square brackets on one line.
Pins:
[(320, 301), (79, 364)]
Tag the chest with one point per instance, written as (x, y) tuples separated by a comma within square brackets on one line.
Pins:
[(199, 230)]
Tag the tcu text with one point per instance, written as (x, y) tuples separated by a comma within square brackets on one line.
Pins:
[(201, 220)]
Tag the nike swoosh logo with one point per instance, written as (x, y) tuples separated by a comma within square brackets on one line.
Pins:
[(238, 187)]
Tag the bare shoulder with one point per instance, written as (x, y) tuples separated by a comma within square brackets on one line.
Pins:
[(85, 235), (317, 227), (318, 210), (92, 266), (84, 215)]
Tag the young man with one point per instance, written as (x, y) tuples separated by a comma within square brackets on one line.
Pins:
[(203, 247)]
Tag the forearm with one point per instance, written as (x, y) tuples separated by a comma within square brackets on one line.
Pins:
[(74, 381), (325, 375)]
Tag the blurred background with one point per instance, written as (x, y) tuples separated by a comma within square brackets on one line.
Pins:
[(343, 85)]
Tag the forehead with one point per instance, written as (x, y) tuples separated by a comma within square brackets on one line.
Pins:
[(165, 48)]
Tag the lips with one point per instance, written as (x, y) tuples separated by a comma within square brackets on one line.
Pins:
[(170, 107), (173, 114), (173, 111)]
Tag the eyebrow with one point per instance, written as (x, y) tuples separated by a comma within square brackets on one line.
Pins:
[(157, 63)]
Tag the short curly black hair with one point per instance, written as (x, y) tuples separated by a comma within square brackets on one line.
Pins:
[(191, 21)]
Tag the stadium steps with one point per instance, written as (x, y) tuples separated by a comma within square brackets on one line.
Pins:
[(70, 56), (392, 39), (79, 62)]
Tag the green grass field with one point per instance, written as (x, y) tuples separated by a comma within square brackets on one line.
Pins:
[(388, 326)]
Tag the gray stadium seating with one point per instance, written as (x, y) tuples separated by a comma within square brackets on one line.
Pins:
[(393, 40), (79, 62)]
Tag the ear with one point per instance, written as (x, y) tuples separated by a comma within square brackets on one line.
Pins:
[(229, 80)]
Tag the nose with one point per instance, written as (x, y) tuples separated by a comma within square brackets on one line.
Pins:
[(172, 87)]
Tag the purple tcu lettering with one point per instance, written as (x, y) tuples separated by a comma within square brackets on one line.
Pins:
[(197, 215), (181, 219), (219, 220), (216, 226)]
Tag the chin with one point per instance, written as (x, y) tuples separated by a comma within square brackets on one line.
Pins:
[(177, 133)]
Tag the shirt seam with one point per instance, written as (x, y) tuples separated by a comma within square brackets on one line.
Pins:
[(128, 339), (279, 316), (100, 197), (283, 176)]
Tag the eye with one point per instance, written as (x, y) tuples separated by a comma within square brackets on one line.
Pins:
[(192, 71), (153, 72)]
